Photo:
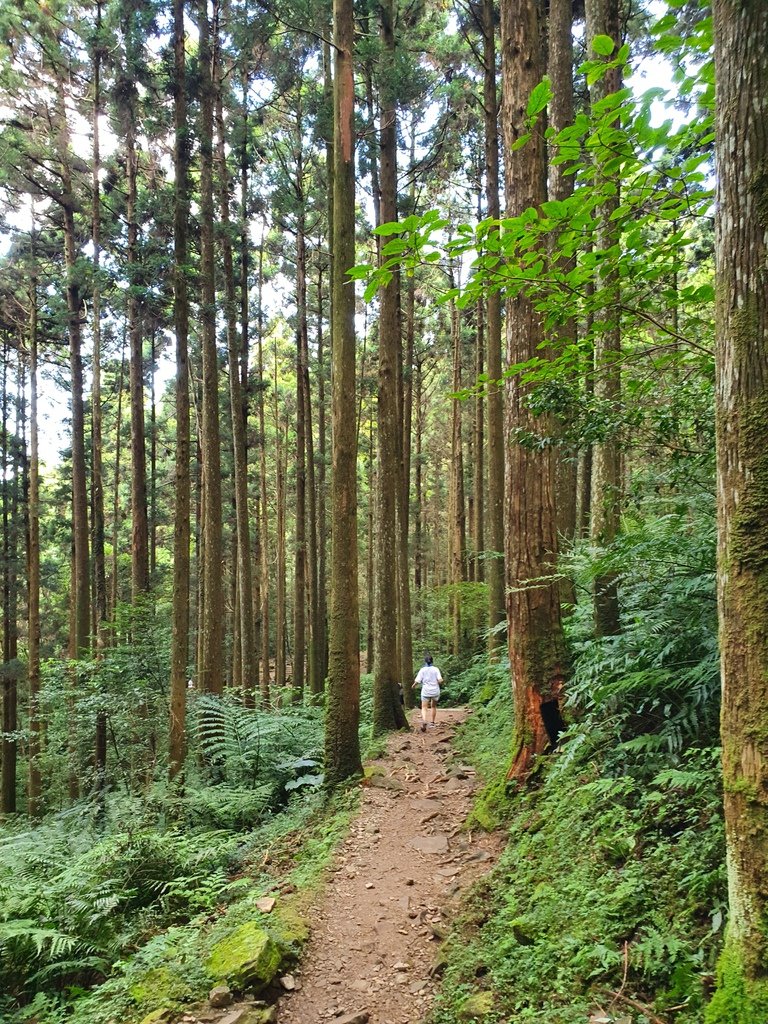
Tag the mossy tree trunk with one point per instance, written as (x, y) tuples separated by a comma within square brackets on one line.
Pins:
[(741, 61), (536, 644), (342, 746)]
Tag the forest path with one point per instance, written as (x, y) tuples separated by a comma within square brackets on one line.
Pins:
[(395, 886)]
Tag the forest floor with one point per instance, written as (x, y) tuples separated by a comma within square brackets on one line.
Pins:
[(373, 955)]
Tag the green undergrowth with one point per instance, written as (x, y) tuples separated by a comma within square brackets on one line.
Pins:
[(159, 913), (612, 881)]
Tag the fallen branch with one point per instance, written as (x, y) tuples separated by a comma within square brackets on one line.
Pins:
[(637, 1005)]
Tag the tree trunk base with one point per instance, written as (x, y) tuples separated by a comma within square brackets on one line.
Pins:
[(544, 724)]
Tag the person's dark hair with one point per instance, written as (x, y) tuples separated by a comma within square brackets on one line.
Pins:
[(428, 659)]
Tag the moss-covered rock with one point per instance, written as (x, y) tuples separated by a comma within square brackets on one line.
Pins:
[(158, 1016), (248, 957), (159, 986), (476, 1007), (289, 928)]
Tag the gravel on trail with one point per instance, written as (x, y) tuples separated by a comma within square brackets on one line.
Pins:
[(373, 954)]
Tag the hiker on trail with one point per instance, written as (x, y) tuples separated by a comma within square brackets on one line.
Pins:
[(429, 678)]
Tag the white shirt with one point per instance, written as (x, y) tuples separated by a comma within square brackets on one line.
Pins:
[(430, 679)]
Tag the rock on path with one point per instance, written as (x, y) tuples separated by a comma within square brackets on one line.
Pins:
[(394, 887)]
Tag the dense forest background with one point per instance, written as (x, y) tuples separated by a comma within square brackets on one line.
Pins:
[(335, 337)]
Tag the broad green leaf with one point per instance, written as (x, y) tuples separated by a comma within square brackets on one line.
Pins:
[(539, 98), (603, 45)]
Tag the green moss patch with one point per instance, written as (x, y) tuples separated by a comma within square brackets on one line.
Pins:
[(249, 957), (737, 1000)]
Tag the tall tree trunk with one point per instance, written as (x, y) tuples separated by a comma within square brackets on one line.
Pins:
[(248, 665), (478, 469), (97, 476), (265, 674), (418, 553), (322, 527), (139, 510), (560, 68), (370, 568), (536, 645), (115, 581), (457, 530), (9, 469), (152, 453), (405, 390), (322, 433), (33, 557), (81, 622), (342, 717), (245, 385), (315, 678), (211, 667), (602, 18), (302, 350), (388, 711), (181, 516), (741, 65), (280, 594), (495, 555)]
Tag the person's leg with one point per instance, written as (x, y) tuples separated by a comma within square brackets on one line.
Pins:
[(424, 706), (434, 710)]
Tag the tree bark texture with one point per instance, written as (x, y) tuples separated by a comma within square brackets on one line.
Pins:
[(139, 510), (342, 747), (388, 710), (536, 643), (457, 527), (495, 540), (602, 18), (741, 62), (211, 667), (81, 580), (246, 651), (560, 69), (33, 563), (300, 532), (181, 514)]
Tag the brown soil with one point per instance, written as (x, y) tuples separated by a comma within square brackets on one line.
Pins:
[(395, 886)]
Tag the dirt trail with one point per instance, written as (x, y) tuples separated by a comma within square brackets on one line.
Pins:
[(396, 881)]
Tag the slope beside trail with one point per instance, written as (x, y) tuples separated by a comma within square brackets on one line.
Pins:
[(376, 931)]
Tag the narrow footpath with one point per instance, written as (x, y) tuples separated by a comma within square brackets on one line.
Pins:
[(373, 955)]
